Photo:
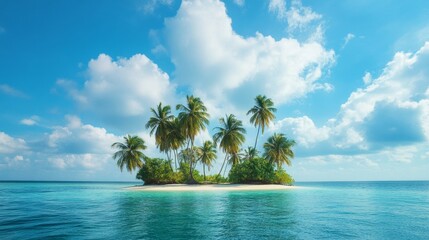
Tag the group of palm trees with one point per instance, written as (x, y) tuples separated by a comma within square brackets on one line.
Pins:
[(175, 136)]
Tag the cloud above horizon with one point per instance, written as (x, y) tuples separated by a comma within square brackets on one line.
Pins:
[(10, 144), (121, 92), (392, 110), (222, 63)]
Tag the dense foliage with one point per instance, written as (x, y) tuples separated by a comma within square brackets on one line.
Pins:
[(258, 170), (129, 154), (158, 171)]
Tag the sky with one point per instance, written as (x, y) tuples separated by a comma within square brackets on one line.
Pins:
[(349, 79)]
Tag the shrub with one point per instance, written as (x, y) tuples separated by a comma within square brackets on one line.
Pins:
[(184, 171), (259, 170), (256, 170), (157, 171), (281, 177)]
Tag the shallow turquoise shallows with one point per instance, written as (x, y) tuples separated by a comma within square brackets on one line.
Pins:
[(341, 210)]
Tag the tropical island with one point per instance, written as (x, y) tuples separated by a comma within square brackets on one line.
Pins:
[(175, 136)]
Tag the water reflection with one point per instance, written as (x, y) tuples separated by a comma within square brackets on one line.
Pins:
[(207, 215)]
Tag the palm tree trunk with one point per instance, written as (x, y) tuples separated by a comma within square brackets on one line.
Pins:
[(220, 172), (180, 160), (257, 134), (224, 171), (192, 180), (169, 159), (204, 171), (175, 158)]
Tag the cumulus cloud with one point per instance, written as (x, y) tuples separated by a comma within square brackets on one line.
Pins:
[(79, 138), (401, 88), (121, 92), (392, 110), (10, 144), (224, 65), (304, 129)]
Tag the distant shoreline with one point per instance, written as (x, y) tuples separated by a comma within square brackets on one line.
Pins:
[(210, 187)]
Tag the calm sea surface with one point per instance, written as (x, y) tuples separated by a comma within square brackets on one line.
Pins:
[(341, 210)]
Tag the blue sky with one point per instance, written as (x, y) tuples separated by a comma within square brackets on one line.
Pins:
[(349, 79)]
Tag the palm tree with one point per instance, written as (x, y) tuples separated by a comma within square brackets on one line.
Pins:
[(278, 150), (230, 136), (234, 158), (130, 153), (262, 114), (175, 137), (206, 154), (193, 118), (159, 124), (250, 153)]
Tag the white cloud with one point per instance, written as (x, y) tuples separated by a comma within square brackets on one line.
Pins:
[(122, 91), (33, 120), (304, 129), (79, 138), (347, 39), (8, 90), (81, 161), (9, 144), (28, 122), (224, 65), (392, 110), (149, 6), (278, 7), (85, 147), (16, 161), (402, 86), (299, 16), (367, 78)]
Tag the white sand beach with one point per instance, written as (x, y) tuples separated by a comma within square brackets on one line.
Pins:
[(211, 187)]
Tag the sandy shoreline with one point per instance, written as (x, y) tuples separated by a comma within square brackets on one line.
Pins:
[(210, 187)]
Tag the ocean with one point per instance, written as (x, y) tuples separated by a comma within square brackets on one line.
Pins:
[(322, 210)]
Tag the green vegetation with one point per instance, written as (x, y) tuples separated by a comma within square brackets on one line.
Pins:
[(175, 136), (158, 171), (230, 136), (193, 118), (278, 150), (206, 155), (130, 153), (262, 114), (258, 171)]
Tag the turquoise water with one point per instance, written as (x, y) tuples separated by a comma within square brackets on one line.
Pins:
[(342, 210)]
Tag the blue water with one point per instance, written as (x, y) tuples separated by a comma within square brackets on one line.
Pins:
[(342, 210)]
